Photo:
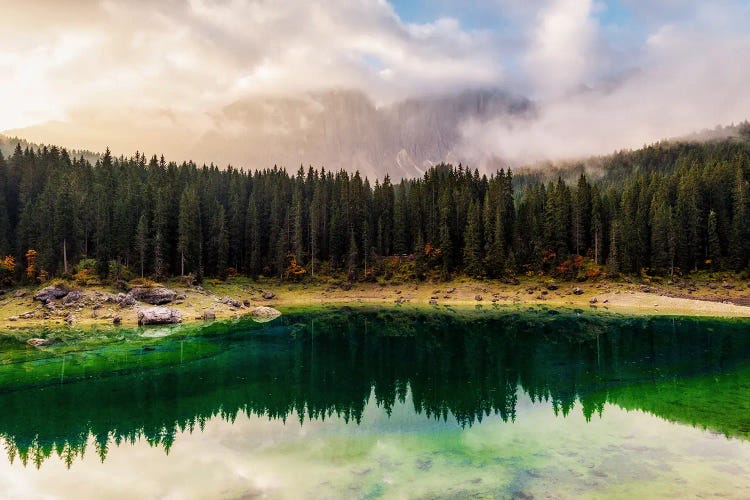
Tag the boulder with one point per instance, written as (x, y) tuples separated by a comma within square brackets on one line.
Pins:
[(264, 313), (49, 293), (552, 286), (578, 290), (270, 295), (158, 316), (156, 296), (36, 342)]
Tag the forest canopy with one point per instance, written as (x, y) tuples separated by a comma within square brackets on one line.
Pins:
[(664, 209)]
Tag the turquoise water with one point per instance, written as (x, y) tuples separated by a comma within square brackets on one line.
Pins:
[(358, 404)]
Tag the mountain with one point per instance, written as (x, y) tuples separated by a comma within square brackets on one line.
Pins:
[(345, 130), (336, 129)]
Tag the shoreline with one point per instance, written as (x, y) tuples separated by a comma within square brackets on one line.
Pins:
[(222, 299)]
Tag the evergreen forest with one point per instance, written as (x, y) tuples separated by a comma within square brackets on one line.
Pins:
[(665, 209)]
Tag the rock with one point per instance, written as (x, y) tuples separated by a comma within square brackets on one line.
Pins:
[(552, 286), (605, 301), (49, 293), (544, 292), (70, 319), (478, 298), (246, 303), (646, 289), (344, 286), (434, 297), (156, 296), (125, 300), (72, 297), (20, 294), (262, 314), (158, 316), (398, 292), (40, 342), (231, 302), (512, 281), (593, 300), (712, 286), (208, 315), (578, 291), (117, 320), (271, 295), (13, 318), (433, 302), (450, 290), (180, 296)]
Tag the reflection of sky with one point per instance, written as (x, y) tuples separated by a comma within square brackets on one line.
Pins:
[(406, 455)]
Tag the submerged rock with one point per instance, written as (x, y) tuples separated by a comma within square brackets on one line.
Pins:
[(159, 316), (49, 293), (36, 342), (156, 296), (262, 314)]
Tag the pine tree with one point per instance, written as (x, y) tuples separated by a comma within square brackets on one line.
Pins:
[(190, 235), (253, 236), (714, 246), (473, 243), (142, 241), (738, 239)]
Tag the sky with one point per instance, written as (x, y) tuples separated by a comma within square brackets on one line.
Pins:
[(604, 74)]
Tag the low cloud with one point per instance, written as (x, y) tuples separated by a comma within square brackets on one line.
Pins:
[(160, 76)]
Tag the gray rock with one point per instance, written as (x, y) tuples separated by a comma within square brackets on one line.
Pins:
[(552, 286), (13, 318), (125, 300), (208, 315), (156, 296), (49, 293), (231, 302), (159, 316), (578, 290), (593, 300), (72, 297), (271, 295)]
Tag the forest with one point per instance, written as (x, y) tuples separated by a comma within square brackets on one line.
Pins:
[(666, 209)]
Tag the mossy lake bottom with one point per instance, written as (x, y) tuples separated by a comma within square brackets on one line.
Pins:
[(362, 403)]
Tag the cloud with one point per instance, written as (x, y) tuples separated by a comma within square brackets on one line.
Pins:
[(684, 77), (199, 55), (605, 74)]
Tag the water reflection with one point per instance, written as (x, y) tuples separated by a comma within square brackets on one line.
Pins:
[(338, 365)]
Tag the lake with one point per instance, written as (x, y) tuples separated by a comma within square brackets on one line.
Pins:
[(350, 403)]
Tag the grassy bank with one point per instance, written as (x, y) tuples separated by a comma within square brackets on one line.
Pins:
[(716, 297)]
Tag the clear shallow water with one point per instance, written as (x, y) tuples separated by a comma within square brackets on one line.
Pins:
[(364, 405)]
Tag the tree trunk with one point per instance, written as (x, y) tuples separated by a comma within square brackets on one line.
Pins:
[(65, 255)]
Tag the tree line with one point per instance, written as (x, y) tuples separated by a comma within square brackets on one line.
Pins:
[(663, 209)]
